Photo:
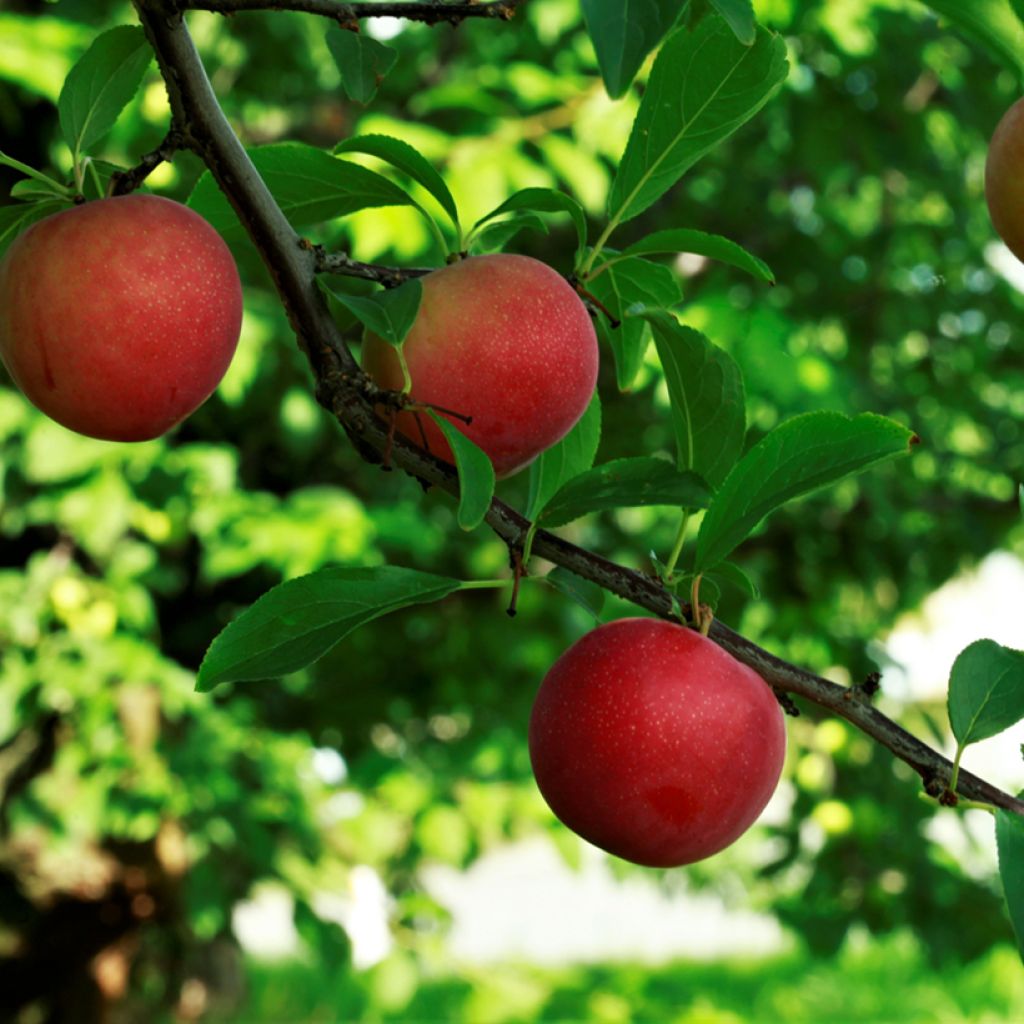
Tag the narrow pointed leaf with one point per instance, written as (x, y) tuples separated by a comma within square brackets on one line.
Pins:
[(798, 457), (739, 16), (624, 483), (476, 475), (730, 572), (1010, 843), (705, 389), (407, 160), (100, 85), (362, 61), (308, 184), (298, 622), (494, 237), (573, 455), (986, 691), (704, 85), (389, 313), (543, 200), (714, 247), (623, 33), (629, 282)]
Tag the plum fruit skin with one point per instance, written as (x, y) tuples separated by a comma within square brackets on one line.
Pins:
[(119, 317), (1004, 187), (504, 339), (651, 742)]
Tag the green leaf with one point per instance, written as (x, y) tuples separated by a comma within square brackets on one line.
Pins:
[(476, 475), (587, 595), (45, 185), (730, 572), (362, 61), (702, 243), (704, 85), (990, 23), (294, 624), (705, 389), (308, 184), (1018, 9), (496, 236), (1010, 843), (799, 456), (389, 314), (986, 691), (627, 282), (543, 200), (573, 455), (623, 33), (100, 85), (624, 483), (407, 160), (15, 219), (739, 16)]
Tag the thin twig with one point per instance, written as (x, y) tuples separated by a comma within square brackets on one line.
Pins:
[(430, 12), (343, 265), (342, 388), (124, 182)]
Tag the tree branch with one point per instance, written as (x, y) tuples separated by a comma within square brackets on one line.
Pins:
[(343, 389), (431, 12), (343, 265), (124, 182)]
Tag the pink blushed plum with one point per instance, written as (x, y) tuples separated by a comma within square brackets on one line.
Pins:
[(119, 317), (503, 339)]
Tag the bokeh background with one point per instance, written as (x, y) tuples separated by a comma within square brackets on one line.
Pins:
[(363, 841)]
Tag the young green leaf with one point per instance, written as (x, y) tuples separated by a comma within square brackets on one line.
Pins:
[(1010, 843), (294, 624), (542, 200), (623, 33), (714, 247), (407, 160), (362, 61), (44, 184), (389, 314), (704, 85), (100, 85), (494, 237), (308, 184), (16, 219), (573, 455), (799, 456), (730, 572), (624, 483), (986, 691), (587, 595), (705, 389), (739, 15), (476, 475), (628, 282)]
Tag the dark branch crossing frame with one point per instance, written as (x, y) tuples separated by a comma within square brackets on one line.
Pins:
[(345, 391)]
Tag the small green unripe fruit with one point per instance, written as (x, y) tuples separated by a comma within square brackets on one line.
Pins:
[(119, 317), (650, 741), (1004, 182), (505, 340)]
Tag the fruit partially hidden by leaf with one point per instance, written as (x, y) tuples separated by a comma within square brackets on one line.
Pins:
[(502, 339)]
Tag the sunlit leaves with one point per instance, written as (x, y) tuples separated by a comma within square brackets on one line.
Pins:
[(796, 458), (991, 23), (986, 691), (705, 389), (701, 243), (100, 85), (704, 85), (1010, 843)]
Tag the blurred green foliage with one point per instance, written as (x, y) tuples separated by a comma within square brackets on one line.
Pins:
[(860, 185)]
